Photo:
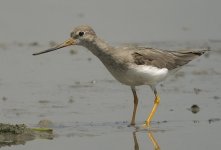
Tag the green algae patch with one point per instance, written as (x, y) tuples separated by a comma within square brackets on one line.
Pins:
[(48, 130)]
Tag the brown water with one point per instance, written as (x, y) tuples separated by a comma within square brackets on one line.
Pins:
[(88, 108)]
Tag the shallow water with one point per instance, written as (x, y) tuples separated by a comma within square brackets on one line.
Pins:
[(88, 108)]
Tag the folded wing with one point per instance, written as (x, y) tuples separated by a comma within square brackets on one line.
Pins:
[(165, 59)]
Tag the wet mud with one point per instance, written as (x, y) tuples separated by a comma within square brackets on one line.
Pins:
[(19, 134), (78, 105)]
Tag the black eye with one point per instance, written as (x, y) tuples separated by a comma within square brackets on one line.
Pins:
[(81, 33)]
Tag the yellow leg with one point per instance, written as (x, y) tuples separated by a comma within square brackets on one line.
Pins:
[(135, 106), (156, 103)]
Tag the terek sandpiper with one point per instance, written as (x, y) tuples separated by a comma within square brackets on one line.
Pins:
[(132, 66)]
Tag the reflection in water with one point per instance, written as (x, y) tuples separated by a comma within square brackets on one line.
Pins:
[(151, 138), (136, 145)]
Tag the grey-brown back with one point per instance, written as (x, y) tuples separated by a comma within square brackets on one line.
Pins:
[(164, 58)]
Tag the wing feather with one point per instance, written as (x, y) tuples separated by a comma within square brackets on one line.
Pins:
[(164, 58)]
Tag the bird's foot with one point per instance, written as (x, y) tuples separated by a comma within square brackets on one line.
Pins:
[(131, 124), (146, 124)]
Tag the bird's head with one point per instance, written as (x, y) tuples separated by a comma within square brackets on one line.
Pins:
[(81, 35)]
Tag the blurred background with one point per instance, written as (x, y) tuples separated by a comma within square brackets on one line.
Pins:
[(72, 89), (116, 21)]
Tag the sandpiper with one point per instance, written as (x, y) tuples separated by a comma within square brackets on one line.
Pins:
[(132, 66)]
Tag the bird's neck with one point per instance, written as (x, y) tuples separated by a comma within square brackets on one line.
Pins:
[(100, 48)]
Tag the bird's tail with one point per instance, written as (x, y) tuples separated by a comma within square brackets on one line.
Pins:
[(182, 57), (198, 52)]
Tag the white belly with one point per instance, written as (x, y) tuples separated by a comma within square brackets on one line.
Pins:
[(140, 75)]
